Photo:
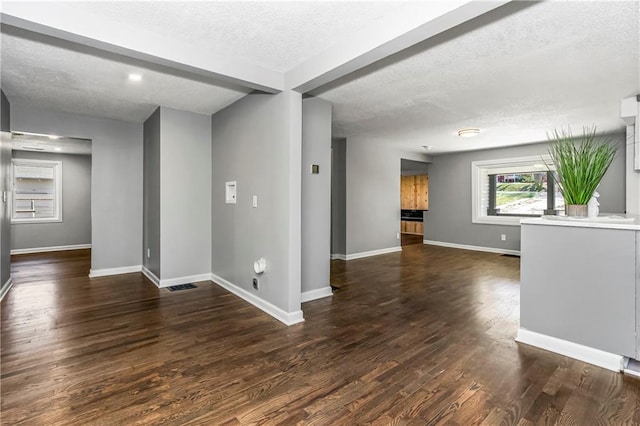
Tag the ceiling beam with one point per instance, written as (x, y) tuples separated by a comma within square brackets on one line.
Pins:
[(63, 22), (408, 26)]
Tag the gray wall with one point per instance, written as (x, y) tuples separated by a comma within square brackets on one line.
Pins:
[(586, 293), (253, 145), (185, 188), (75, 227), (373, 195), (339, 196), (449, 216), (151, 198), (413, 168), (116, 179), (316, 193), (5, 166)]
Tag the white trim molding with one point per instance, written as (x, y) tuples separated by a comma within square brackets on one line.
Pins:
[(360, 255), (479, 184), (319, 293), (95, 273), (288, 318), (52, 248), (160, 283), (152, 277), (184, 280), (474, 248), (588, 354), (6, 287), (338, 256)]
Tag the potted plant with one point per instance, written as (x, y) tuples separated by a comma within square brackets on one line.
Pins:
[(580, 163)]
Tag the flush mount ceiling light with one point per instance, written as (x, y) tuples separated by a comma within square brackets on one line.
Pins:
[(468, 133), (135, 77), (426, 147), (57, 148), (54, 137)]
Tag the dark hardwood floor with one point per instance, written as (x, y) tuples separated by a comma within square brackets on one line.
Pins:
[(419, 337)]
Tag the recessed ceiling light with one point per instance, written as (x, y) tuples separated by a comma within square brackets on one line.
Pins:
[(468, 133), (135, 77), (54, 137), (426, 147), (57, 148)]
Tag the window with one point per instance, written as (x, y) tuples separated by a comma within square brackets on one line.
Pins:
[(37, 191), (508, 189)]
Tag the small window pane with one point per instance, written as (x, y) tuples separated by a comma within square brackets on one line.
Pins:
[(521, 193), (36, 192)]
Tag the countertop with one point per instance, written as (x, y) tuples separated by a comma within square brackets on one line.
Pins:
[(604, 221)]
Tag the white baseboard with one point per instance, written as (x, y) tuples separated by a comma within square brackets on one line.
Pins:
[(337, 256), (174, 281), (593, 356), (94, 273), (288, 318), (6, 287), (474, 248), (183, 280), (319, 293), (53, 248), (147, 273), (373, 253)]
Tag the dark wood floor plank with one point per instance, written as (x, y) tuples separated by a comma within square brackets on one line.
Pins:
[(424, 336)]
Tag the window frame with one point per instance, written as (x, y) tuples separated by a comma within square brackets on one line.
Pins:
[(482, 169), (57, 181)]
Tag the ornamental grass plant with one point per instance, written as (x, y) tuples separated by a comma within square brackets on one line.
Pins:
[(580, 162)]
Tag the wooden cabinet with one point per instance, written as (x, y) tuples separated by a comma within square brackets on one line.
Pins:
[(414, 192), (410, 227)]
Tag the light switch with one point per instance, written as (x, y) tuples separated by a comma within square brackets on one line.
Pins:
[(255, 201), (230, 192)]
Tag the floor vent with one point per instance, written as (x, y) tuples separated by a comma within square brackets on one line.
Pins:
[(512, 255), (632, 367), (182, 287)]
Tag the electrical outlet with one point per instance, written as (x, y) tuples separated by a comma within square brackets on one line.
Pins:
[(398, 236), (503, 237), (255, 283), (254, 202), (148, 253)]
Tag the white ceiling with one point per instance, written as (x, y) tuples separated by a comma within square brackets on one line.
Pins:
[(56, 144), (276, 35), (58, 78), (516, 72)]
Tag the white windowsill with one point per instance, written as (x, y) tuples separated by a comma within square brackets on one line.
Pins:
[(500, 220)]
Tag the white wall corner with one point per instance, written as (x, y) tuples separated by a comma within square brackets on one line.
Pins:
[(95, 273), (6, 287), (287, 318), (587, 354), (152, 277), (319, 293)]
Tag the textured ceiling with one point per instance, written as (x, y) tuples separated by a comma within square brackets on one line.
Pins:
[(516, 73), (58, 78), (276, 35), (46, 143)]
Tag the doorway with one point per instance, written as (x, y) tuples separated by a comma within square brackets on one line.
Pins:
[(50, 206), (414, 200)]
